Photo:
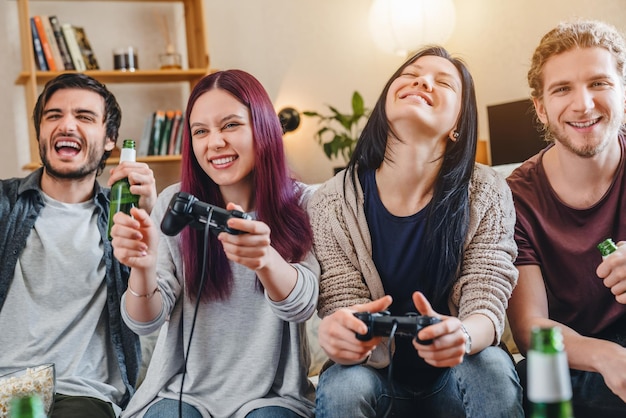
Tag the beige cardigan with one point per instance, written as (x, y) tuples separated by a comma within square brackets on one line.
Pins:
[(343, 248)]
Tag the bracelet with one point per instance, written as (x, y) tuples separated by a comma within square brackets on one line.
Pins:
[(468, 339), (147, 295)]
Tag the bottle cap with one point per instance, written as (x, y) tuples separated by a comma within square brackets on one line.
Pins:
[(607, 247)]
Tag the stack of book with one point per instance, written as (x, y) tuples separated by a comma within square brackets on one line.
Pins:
[(60, 47), (162, 133)]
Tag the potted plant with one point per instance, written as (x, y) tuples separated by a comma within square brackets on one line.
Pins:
[(339, 132)]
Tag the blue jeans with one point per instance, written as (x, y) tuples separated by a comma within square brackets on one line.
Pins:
[(272, 412), (484, 385), (168, 408)]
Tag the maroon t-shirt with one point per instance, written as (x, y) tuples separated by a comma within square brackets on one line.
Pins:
[(562, 242)]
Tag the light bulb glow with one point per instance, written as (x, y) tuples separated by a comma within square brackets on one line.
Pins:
[(402, 26)]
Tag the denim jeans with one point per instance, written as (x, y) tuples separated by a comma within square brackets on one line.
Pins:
[(168, 408), (272, 412), (485, 385)]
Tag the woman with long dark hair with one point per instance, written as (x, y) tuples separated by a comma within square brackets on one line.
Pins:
[(248, 356), (414, 226)]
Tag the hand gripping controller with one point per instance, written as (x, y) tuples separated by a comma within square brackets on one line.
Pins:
[(380, 324), (185, 209)]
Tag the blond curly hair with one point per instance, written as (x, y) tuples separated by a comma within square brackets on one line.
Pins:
[(577, 34)]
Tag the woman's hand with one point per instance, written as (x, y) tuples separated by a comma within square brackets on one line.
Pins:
[(448, 340), (253, 248), (337, 333), (141, 179), (135, 243), (135, 239)]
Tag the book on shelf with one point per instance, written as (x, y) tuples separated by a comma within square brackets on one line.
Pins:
[(155, 135), (143, 148), (40, 58), (174, 136), (164, 141), (85, 48), (162, 133), (45, 44), (179, 139), (62, 45), (52, 40), (72, 46)]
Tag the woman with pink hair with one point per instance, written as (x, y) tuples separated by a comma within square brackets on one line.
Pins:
[(251, 292)]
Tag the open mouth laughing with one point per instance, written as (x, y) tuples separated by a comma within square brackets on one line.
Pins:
[(67, 147)]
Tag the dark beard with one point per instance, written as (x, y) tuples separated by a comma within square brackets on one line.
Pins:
[(85, 171)]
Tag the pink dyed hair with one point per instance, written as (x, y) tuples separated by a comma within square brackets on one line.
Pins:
[(276, 193)]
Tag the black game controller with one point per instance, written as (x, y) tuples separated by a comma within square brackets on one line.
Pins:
[(380, 324), (185, 209)]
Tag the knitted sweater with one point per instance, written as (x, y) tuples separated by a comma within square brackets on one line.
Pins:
[(343, 248)]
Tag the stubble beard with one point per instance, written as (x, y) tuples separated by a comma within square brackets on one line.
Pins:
[(86, 170), (592, 147)]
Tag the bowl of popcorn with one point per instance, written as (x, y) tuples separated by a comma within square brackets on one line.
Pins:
[(35, 380)]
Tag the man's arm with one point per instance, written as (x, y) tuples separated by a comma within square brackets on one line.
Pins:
[(528, 307)]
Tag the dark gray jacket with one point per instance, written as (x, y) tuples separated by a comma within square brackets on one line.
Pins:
[(20, 204)]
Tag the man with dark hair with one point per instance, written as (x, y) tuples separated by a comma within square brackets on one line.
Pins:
[(60, 285), (569, 198)]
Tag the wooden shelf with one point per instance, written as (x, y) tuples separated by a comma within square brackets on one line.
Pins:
[(112, 76), (151, 159), (197, 63)]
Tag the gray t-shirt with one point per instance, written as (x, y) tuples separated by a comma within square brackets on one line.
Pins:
[(55, 308)]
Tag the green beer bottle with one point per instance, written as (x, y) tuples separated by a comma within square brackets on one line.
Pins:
[(26, 407), (549, 384), (121, 197), (607, 247)]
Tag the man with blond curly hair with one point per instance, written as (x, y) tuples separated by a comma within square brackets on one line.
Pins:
[(568, 198)]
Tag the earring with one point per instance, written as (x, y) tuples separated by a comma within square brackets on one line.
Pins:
[(455, 134)]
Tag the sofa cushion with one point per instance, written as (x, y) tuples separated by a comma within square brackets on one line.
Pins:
[(318, 356)]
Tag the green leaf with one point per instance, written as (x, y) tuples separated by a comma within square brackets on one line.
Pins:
[(358, 106), (339, 131)]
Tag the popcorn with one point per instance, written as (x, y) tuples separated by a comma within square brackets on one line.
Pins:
[(39, 380)]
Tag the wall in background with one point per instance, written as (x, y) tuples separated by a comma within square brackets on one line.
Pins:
[(307, 54)]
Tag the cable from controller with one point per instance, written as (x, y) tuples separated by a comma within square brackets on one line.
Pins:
[(392, 334), (207, 228)]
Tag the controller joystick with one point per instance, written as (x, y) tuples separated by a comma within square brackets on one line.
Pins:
[(185, 209), (380, 324)]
